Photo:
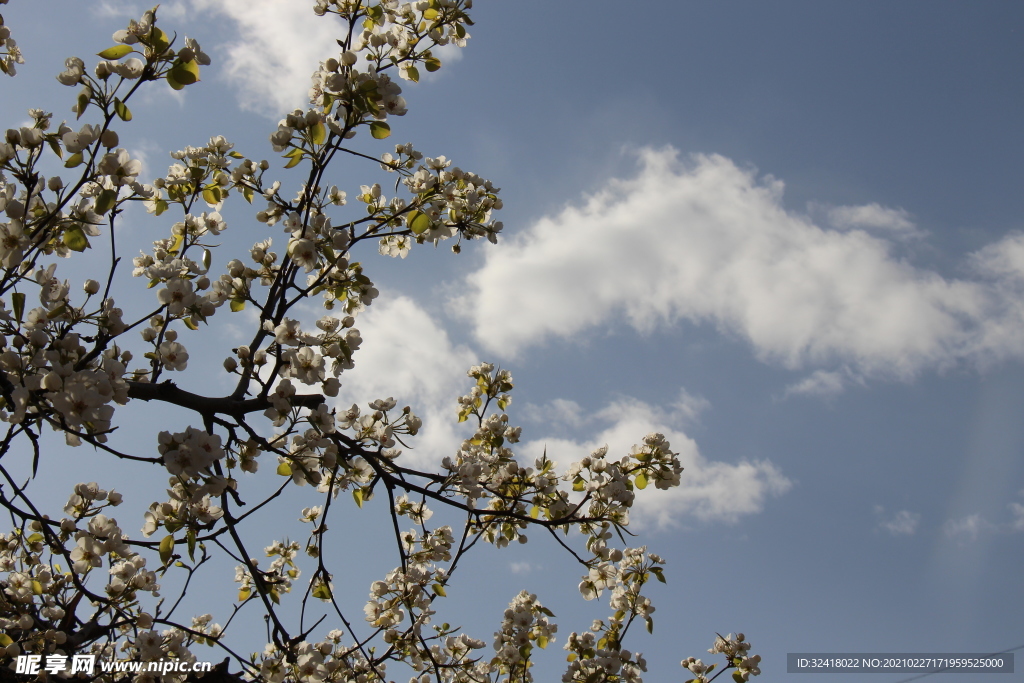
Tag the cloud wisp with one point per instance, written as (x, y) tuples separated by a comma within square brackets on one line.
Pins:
[(707, 241)]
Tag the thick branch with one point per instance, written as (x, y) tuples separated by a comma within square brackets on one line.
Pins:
[(168, 392)]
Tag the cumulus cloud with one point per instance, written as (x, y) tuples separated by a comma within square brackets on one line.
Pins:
[(276, 47), (707, 241), (407, 355), (709, 492), (903, 523)]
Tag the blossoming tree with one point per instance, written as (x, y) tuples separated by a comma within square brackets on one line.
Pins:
[(78, 582)]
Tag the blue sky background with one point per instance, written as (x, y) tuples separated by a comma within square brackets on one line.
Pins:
[(786, 234)]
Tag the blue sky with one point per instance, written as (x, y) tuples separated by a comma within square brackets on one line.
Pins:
[(787, 234)]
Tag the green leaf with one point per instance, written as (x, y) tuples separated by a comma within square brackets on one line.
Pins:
[(115, 52), (650, 626), (357, 494), (534, 512), (55, 313), (159, 40), (52, 142), (418, 222), (322, 590), (432, 64), (660, 573), (380, 130), (284, 469), (295, 160), (190, 537), (579, 483), (439, 590), (244, 594), (190, 323), (212, 195), (318, 133), (237, 305), (738, 677), (5, 640), (83, 101), (236, 155), (207, 258), (186, 72), (122, 110), (179, 241), (105, 202), (542, 642), (248, 194), (37, 588), (641, 481), (18, 300), (74, 160), (160, 206), (74, 239), (166, 549), (430, 14), (414, 74)]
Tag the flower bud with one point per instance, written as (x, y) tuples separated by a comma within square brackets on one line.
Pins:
[(230, 364), (91, 287), (109, 139), (55, 183)]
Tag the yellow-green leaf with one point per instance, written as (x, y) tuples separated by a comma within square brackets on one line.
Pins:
[(55, 313), (37, 588), (115, 52), (534, 512), (159, 40), (237, 305), (18, 301), (430, 14), (244, 594), (641, 481), (5, 640), (322, 590), (179, 242), (439, 590), (190, 538), (418, 222), (212, 196), (74, 160), (122, 110), (186, 73), (413, 73), (83, 101), (380, 130), (542, 642), (248, 194), (190, 323), (432, 64), (74, 239), (284, 469), (166, 549), (579, 484), (357, 494), (105, 202), (318, 133)]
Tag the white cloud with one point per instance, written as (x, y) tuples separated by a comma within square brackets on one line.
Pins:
[(407, 355), (968, 527), (708, 241), (522, 567), (709, 491), (1017, 510), (903, 523), (819, 383), (874, 216), (277, 46)]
